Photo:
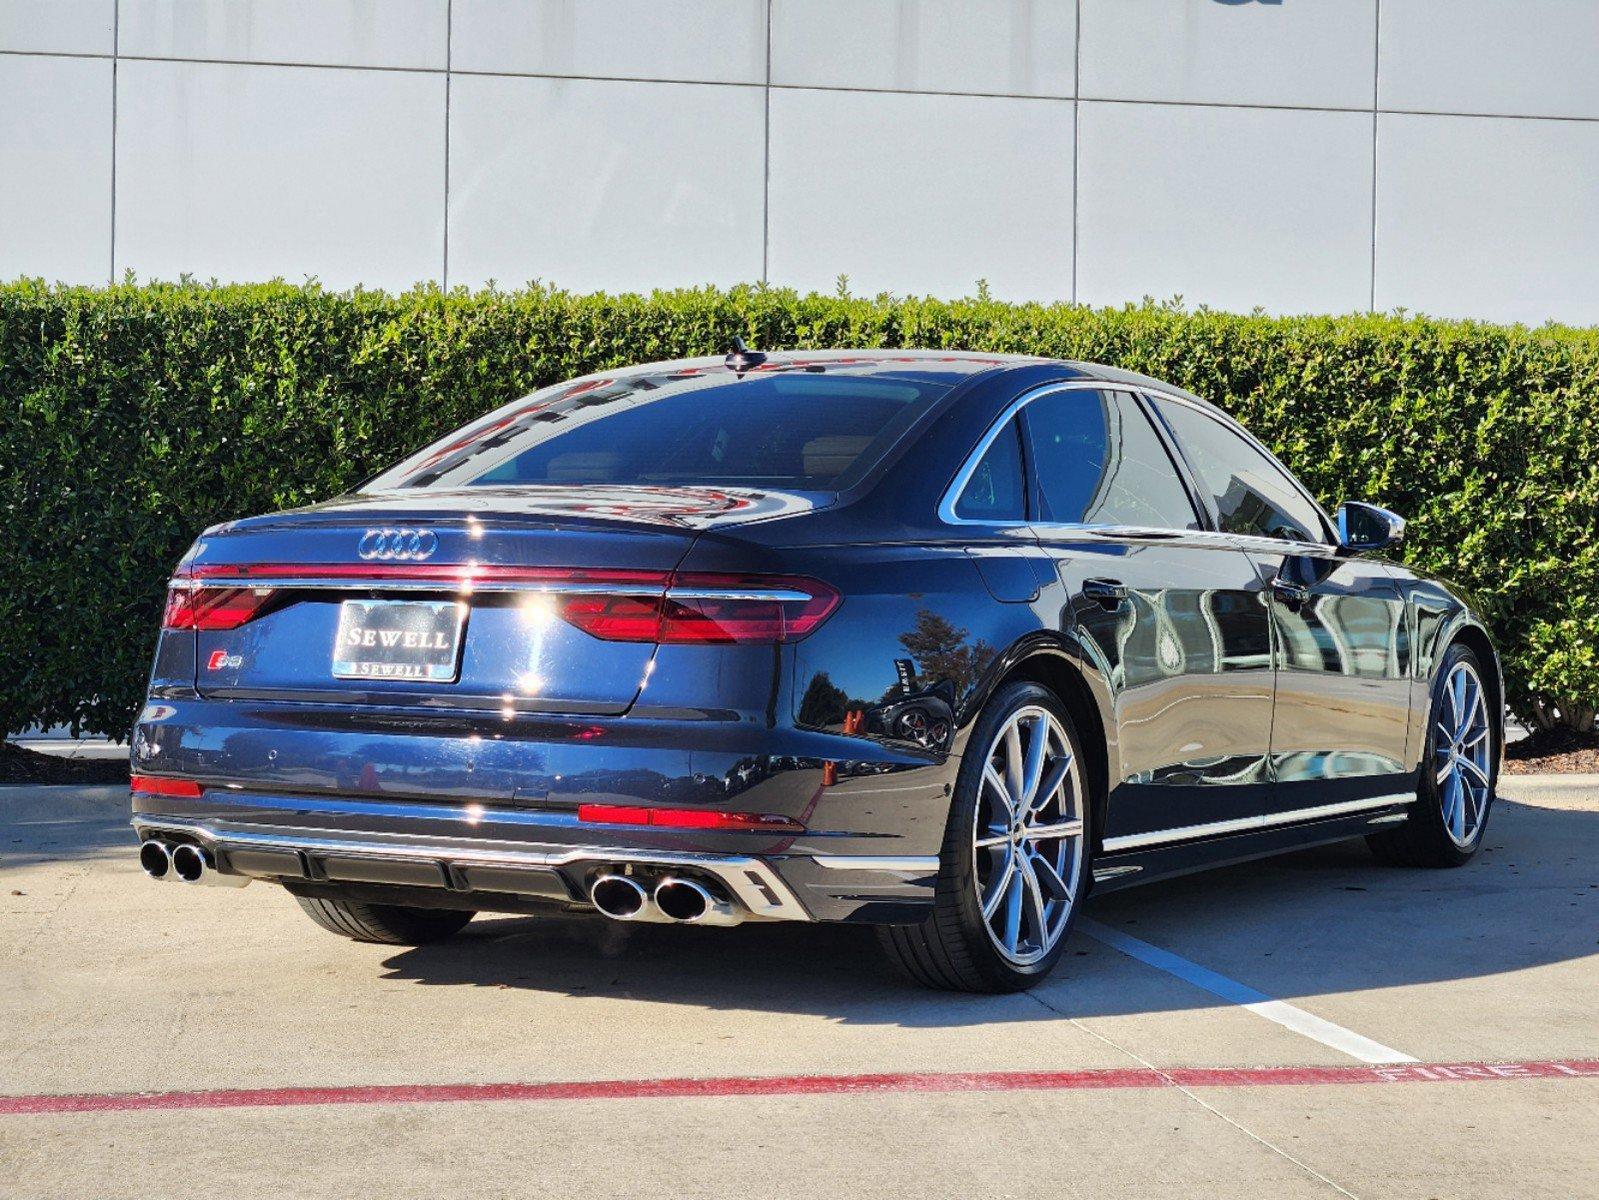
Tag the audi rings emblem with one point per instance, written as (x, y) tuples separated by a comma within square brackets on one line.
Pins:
[(398, 545)]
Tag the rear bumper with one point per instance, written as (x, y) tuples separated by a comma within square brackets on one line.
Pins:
[(451, 864), (482, 805), (461, 864)]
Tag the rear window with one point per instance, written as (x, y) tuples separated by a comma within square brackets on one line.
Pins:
[(801, 431)]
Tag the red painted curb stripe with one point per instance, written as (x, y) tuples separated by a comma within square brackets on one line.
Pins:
[(803, 1085)]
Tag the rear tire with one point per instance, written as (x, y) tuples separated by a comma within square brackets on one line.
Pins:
[(960, 947), (388, 924), (1450, 816)]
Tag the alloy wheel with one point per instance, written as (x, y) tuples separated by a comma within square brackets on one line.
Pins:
[(1461, 749), (1028, 836)]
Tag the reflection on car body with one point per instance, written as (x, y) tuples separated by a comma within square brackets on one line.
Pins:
[(932, 641)]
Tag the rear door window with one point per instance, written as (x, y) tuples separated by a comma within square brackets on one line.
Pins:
[(1098, 461)]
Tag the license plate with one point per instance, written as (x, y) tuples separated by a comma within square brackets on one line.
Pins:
[(413, 640)]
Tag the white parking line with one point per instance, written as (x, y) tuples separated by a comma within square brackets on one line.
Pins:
[(1301, 1022)]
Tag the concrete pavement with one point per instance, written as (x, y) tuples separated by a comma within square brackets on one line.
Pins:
[(116, 985)]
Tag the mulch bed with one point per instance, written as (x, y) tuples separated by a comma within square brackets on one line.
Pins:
[(20, 765), (1553, 752)]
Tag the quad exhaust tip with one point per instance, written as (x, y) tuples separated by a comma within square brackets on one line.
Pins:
[(184, 863), (675, 900), (619, 898), (156, 859), (188, 863), (691, 903)]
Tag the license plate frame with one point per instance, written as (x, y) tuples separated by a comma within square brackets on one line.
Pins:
[(399, 641)]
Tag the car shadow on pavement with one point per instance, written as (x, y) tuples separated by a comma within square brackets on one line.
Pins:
[(1316, 922)]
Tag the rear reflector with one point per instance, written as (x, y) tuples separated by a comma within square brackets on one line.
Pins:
[(686, 818), (158, 785)]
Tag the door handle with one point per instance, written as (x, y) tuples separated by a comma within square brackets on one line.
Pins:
[(1290, 595), (1107, 593)]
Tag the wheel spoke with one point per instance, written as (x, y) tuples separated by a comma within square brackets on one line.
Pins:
[(1033, 768), (1468, 709), (1457, 696), (1457, 808), (1478, 772), (999, 886), (1061, 829), (997, 785), (1058, 772), (1448, 767), (1050, 878), (1479, 716), (1034, 903), (1014, 767), (1012, 934)]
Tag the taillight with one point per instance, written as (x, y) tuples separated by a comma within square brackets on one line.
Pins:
[(702, 609), (645, 606), (160, 785), (212, 607), (687, 818)]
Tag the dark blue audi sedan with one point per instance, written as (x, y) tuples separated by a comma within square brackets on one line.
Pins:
[(938, 642)]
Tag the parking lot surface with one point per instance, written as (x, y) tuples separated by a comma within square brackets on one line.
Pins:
[(1307, 1026)]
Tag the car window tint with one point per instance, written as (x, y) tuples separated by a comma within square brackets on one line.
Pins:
[(785, 429), (995, 491), (1098, 461), (1252, 494)]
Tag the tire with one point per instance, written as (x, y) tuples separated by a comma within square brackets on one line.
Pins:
[(1446, 826), (957, 948), (388, 924)]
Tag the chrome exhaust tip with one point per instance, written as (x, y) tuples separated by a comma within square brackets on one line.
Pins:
[(192, 864), (689, 903), (156, 859), (619, 898), (188, 862)]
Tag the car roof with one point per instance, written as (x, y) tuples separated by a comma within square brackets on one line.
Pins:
[(951, 365)]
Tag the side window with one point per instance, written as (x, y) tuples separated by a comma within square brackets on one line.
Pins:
[(1098, 461), (994, 492), (1253, 497)]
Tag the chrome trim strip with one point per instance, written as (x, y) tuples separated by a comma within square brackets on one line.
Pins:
[(784, 595), (915, 864), (752, 881), (1106, 874), (781, 595), (355, 584), (946, 505), (1185, 833)]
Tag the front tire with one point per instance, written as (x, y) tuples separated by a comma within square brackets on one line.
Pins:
[(1459, 774), (387, 924), (1014, 864)]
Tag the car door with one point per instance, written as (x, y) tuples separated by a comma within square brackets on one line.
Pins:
[(1172, 615), (1340, 725)]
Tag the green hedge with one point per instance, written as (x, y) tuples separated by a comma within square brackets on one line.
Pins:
[(133, 416)]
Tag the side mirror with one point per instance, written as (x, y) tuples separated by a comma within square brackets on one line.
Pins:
[(1367, 527)]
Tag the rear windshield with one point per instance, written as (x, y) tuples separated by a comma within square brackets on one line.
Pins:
[(803, 431)]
